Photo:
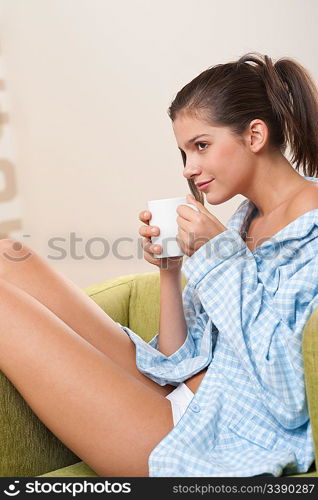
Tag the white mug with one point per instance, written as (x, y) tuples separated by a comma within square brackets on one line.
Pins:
[(164, 215)]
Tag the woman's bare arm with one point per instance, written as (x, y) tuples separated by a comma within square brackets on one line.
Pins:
[(172, 324)]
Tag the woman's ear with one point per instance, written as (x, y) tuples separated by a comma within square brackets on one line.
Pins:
[(257, 135)]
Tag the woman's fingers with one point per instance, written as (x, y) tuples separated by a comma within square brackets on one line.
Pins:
[(149, 247), (149, 231), (145, 216)]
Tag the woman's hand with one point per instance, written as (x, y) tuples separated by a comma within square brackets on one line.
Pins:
[(196, 228), (164, 263)]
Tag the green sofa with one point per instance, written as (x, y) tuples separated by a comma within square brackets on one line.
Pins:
[(29, 448)]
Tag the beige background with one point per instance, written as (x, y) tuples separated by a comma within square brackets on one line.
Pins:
[(87, 86)]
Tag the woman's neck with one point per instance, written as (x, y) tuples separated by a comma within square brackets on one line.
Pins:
[(274, 184)]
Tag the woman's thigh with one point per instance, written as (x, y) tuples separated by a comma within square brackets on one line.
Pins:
[(100, 411), (24, 268)]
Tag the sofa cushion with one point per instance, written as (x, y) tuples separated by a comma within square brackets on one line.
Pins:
[(80, 469)]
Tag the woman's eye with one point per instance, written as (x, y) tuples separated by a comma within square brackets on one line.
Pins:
[(201, 144)]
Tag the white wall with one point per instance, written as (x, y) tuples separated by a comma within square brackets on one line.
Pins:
[(89, 83)]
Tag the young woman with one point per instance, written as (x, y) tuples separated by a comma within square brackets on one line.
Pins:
[(220, 390)]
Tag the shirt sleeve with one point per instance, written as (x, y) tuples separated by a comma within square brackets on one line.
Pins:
[(192, 356), (225, 275)]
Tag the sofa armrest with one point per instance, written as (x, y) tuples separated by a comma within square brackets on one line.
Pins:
[(310, 357), (133, 300), (113, 296), (28, 447)]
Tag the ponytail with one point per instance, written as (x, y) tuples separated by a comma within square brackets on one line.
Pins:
[(294, 99), (302, 122)]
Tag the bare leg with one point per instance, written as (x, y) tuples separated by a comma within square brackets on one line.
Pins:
[(24, 268), (100, 411)]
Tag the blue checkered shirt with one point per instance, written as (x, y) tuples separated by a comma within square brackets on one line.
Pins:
[(245, 311)]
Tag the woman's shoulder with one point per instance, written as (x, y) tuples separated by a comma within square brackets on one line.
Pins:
[(305, 201)]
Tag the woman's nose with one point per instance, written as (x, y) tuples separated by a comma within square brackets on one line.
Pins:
[(190, 171)]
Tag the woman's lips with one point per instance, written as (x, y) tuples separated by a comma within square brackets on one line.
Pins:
[(204, 186)]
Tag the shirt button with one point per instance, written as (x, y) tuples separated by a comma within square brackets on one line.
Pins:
[(194, 407)]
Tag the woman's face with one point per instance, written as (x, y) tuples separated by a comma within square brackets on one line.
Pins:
[(217, 155)]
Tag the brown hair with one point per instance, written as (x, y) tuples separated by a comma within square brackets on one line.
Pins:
[(233, 94)]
